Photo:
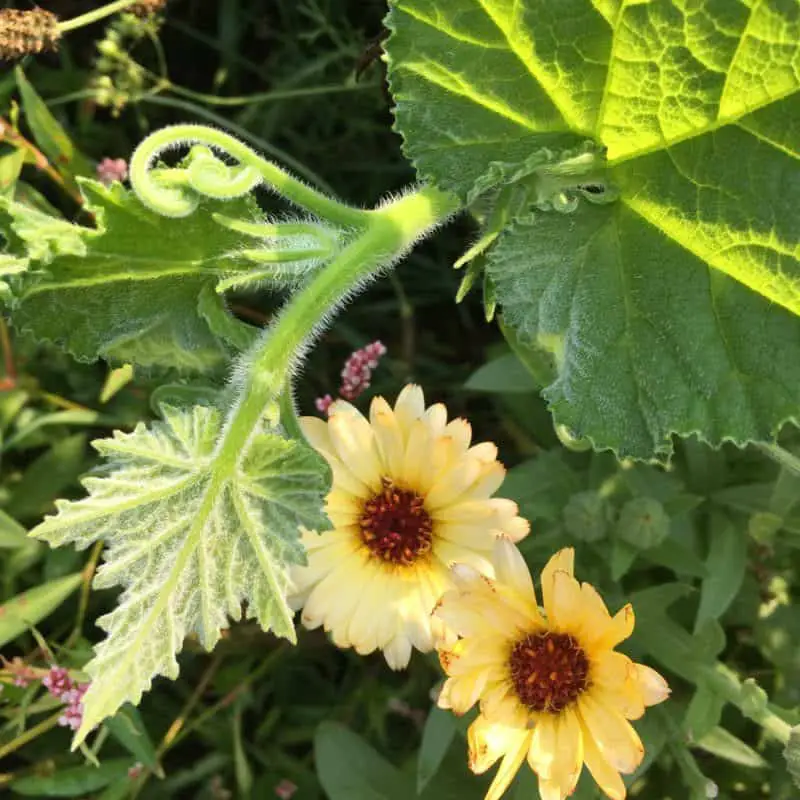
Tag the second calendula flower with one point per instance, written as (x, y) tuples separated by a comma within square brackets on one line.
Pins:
[(410, 497), (552, 689)]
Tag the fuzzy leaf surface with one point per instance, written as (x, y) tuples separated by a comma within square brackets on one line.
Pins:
[(697, 108), (188, 543), (127, 290)]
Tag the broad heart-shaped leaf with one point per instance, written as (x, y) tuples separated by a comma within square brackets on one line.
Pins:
[(697, 109), (646, 347), (127, 290), (188, 544)]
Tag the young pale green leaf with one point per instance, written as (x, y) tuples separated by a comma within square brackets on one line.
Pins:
[(695, 112), (128, 289), (18, 613), (49, 134), (647, 344), (188, 543)]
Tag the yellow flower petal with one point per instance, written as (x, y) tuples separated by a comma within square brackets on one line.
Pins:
[(654, 688), (389, 438), (488, 742), (566, 612), (606, 777), (452, 484), (435, 418), (542, 752), (619, 629), (355, 446), (615, 682), (410, 406), (562, 561), (615, 737), (488, 481), (511, 570), (509, 767), (398, 652), (556, 752), (418, 445)]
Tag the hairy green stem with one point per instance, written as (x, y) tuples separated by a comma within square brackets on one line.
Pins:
[(392, 230), (93, 16), (177, 202)]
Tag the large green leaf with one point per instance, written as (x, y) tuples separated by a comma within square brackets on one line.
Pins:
[(646, 347), (127, 290), (188, 544), (691, 114)]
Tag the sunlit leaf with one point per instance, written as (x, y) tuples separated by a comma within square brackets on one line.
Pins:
[(188, 546), (684, 120), (127, 290)]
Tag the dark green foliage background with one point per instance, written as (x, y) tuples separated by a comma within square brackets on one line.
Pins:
[(720, 585)]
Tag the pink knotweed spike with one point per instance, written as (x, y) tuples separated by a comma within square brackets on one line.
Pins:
[(72, 716), (58, 682), (112, 169), (358, 369)]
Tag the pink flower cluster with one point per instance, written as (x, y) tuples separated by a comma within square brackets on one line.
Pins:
[(112, 169), (61, 686), (356, 374), (285, 790)]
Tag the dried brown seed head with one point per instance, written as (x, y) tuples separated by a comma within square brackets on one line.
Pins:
[(27, 32), (145, 8)]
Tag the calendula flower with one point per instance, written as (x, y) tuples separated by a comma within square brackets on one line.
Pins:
[(550, 685), (410, 497)]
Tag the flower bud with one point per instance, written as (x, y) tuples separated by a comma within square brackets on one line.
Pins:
[(643, 523), (586, 516)]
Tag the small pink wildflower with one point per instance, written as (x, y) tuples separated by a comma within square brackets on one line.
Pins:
[(285, 789), (135, 771), (57, 681), (72, 716), (358, 368), (323, 403), (356, 374), (112, 169)]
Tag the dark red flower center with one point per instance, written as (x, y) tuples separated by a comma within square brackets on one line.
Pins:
[(395, 525), (549, 670)]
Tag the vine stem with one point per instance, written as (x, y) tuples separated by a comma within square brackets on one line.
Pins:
[(391, 232), (177, 202), (93, 16)]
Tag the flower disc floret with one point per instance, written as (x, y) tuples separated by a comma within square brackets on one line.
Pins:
[(411, 496), (395, 525), (549, 670), (551, 688)]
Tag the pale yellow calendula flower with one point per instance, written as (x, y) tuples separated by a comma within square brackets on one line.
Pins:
[(552, 690), (410, 497)]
